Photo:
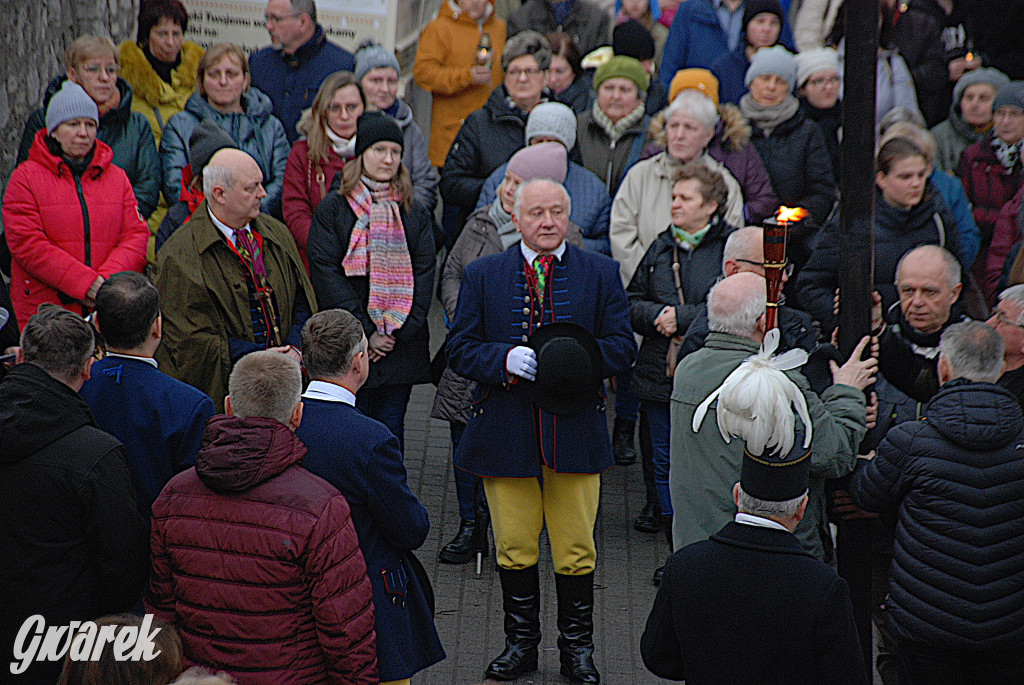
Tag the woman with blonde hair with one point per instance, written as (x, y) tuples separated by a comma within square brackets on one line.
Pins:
[(224, 95), (329, 127), (371, 251)]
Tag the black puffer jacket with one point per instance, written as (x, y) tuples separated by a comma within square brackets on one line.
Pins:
[(897, 231), (488, 138), (955, 481), (800, 167), (653, 288)]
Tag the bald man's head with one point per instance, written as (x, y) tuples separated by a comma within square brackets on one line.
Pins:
[(928, 284), (744, 245), (736, 305), (233, 184)]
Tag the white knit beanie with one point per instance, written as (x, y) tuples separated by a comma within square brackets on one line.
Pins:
[(552, 120), (811, 61)]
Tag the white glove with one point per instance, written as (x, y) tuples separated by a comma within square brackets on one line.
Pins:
[(522, 361)]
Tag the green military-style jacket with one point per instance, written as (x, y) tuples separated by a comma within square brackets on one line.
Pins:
[(704, 467), (205, 301)]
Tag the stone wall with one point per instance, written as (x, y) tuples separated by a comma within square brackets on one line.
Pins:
[(32, 44)]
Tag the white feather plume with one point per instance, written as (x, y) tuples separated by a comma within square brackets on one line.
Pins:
[(755, 401)]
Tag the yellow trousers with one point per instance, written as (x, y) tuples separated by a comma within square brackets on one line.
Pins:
[(566, 501), (403, 681)]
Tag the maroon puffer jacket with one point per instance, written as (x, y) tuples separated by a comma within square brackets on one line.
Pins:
[(257, 564), (988, 185)]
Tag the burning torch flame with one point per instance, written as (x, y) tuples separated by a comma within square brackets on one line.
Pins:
[(787, 214)]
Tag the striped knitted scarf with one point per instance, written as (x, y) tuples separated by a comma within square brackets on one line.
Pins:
[(378, 247)]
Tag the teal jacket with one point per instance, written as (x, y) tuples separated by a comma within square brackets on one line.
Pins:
[(256, 130), (703, 467)]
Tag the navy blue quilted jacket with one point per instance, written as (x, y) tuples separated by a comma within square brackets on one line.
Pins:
[(956, 481)]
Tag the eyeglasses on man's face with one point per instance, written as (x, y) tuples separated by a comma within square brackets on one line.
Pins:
[(788, 269)]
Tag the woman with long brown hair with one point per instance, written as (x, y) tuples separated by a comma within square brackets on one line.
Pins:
[(371, 251), (329, 127)]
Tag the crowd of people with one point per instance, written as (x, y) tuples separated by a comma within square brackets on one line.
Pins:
[(221, 268)]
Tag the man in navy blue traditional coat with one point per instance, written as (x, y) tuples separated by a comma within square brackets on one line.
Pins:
[(159, 419), (360, 456), (538, 433)]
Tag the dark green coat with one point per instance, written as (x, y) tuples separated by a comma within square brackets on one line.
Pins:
[(129, 136), (204, 299)]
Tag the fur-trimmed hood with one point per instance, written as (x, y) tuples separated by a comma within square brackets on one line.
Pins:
[(136, 70), (732, 129)]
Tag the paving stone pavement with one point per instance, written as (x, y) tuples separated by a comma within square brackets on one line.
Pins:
[(469, 615)]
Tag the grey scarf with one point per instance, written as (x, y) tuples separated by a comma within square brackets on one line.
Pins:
[(503, 221), (616, 130), (768, 118)]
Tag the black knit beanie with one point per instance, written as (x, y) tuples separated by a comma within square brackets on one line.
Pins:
[(756, 7), (374, 127)]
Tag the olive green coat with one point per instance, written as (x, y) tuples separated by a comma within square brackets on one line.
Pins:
[(703, 467), (204, 299)]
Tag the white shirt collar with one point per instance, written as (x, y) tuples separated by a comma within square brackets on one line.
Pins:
[(226, 230), (760, 522), (530, 254), (329, 392), (148, 360)]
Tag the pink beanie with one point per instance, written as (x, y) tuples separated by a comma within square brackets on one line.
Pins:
[(543, 160)]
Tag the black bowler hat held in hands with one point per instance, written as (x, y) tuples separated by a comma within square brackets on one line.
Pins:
[(569, 368)]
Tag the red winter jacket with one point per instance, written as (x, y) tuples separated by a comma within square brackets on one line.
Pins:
[(257, 563), (64, 232), (305, 184), (987, 184), (1004, 237)]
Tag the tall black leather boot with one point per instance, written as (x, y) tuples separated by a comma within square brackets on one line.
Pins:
[(521, 600), (647, 520), (576, 627), (622, 441), (460, 549)]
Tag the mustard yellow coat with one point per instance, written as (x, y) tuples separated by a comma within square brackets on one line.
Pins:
[(158, 101), (154, 98), (444, 57)]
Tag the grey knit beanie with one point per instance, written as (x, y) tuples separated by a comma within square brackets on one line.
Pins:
[(70, 102), (774, 60), (1009, 95), (373, 56), (992, 77), (552, 120)]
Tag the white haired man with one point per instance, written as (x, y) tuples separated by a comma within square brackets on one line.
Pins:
[(955, 605), (780, 614), (704, 466), (1008, 322), (509, 301)]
